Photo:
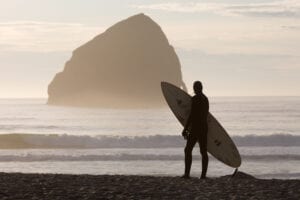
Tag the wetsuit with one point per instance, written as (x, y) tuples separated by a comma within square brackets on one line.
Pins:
[(198, 122)]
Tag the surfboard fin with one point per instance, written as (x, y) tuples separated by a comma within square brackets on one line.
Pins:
[(234, 173)]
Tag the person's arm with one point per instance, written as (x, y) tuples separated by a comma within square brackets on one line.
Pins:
[(207, 105), (187, 124)]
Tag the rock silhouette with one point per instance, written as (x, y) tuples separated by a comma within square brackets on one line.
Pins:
[(122, 67)]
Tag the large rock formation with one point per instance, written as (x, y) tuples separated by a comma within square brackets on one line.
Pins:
[(122, 67)]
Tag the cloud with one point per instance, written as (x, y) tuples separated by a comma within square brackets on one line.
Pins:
[(286, 8), (242, 74), (291, 27), (180, 7), (40, 36)]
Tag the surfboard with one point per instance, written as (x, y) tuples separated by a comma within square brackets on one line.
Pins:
[(219, 144)]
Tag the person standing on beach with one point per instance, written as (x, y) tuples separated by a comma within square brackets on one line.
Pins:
[(199, 127)]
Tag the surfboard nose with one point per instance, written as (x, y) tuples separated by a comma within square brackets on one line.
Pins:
[(163, 83), (163, 86)]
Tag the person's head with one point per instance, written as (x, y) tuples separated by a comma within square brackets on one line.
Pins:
[(198, 87)]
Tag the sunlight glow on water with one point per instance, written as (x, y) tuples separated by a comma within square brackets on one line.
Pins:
[(240, 116)]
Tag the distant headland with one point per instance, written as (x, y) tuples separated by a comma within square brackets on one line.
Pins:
[(122, 67)]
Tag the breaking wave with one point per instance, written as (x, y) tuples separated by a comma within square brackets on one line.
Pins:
[(15, 141), (130, 157)]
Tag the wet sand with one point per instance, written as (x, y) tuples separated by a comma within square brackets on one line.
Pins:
[(60, 186)]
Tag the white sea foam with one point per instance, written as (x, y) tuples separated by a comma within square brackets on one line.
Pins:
[(10, 141), (132, 157)]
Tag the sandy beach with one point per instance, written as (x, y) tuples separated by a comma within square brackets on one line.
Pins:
[(59, 186)]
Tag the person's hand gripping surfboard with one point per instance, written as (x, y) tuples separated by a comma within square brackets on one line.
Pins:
[(185, 133)]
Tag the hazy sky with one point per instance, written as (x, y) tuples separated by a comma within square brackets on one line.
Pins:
[(240, 48)]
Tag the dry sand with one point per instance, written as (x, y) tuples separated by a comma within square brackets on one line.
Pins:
[(58, 186)]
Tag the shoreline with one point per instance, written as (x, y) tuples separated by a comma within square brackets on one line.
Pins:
[(66, 186)]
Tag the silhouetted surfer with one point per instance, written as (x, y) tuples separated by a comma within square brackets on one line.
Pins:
[(198, 122)]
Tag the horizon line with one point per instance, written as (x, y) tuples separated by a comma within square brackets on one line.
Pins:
[(213, 96)]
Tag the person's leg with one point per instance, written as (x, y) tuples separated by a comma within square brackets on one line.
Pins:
[(190, 143), (203, 151)]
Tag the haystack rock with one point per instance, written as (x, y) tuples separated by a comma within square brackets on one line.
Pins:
[(122, 67)]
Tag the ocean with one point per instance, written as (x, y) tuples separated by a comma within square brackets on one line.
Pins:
[(38, 138)]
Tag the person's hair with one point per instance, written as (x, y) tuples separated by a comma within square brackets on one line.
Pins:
[(198, 87)]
